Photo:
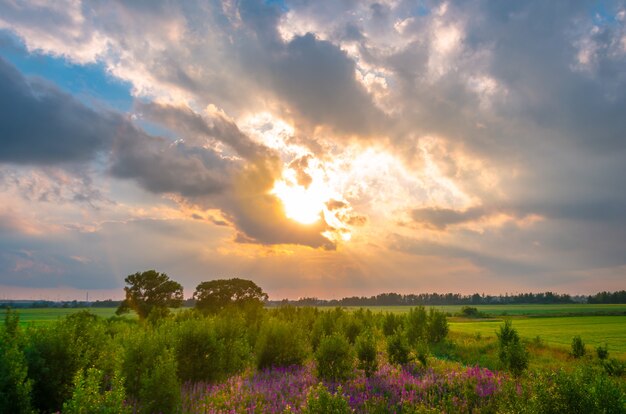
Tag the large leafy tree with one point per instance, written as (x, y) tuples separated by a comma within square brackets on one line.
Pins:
[(215, 295), (150, 292)]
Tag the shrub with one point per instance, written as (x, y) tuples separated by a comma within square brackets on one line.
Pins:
[(232, 334), (391, 322), (470, 312), (160, 389), (198, 352), (512, 352), (602, 351), (150, 370), (352, 327), (416, 325), (280, 343), (15, 387), (398, 349), (578, 347), (437, 326), (581, 391), (322, 401), (325, 324), (614, 367), (366, 353), (334, 358), (56, 352), (92, 396)]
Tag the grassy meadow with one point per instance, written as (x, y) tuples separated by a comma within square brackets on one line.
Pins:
[(315, 360)]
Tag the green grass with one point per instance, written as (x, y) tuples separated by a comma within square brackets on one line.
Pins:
[(559, 331), (514, 310), (46, 315)]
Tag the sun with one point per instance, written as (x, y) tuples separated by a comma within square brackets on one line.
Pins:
[(304, 205)]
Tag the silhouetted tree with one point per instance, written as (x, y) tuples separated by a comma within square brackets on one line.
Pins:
[(215, 295), (150, 292)]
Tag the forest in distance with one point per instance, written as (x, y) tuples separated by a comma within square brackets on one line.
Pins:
[(231, 353), (382, 299)]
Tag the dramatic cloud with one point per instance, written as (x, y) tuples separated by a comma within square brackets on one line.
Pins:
[(458, 140), (39, 124)]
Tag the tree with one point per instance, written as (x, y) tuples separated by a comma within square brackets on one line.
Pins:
[(150, 292), (215, 295)]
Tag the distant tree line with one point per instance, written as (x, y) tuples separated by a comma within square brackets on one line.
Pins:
[(608, 297), (438, 299), (382, 299)]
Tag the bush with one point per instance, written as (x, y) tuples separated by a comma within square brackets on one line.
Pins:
[(366, 353), (150, 370), (398, 349), (15, 387), (416, 325), (470, 312), (602, 352), (391, 323), (160, 389), (280, 343), (437, 326), (614, 367), (321, 401), (56, 352), (92, 396), (578, 347), (352, 327), (325, 324), (581, 391), (198, 352), (512, 352), (334, 358)]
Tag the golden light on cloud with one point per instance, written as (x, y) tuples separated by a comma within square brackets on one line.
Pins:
[(304, 205)]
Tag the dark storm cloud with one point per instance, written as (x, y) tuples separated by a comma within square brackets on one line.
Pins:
[(41, 125), (161, 166), (195, 127), (440, 218), (318, 80)]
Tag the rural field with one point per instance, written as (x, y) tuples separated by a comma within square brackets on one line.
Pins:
[(246, 358)]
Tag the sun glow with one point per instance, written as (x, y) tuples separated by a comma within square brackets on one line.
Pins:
[(304, 205)]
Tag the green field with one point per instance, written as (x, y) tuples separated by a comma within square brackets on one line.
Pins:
[(559, 331), (515, 310), (46, 315), (530, 321)]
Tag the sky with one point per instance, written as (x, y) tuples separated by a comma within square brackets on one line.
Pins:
[(317, 147)]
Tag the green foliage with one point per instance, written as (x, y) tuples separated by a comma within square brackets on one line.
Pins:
[(583, 391), (578, 347), (470, 312), (322, 401), (334, 358), (352, 327), (614, 367), (602, 352), (151, 293), (160, 389), (15, 387), (398, 349), (94, 395), (55, 353), (512, 352), (366, 353), (216, 295), (437, 326), (416, 325), (280, 343), (325, 324), (198, 351), (391, 323)]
